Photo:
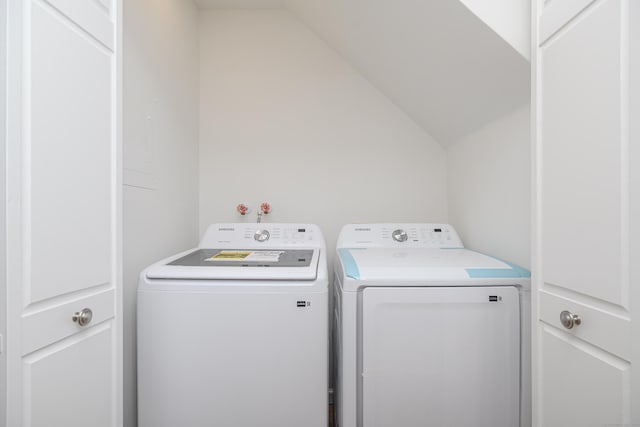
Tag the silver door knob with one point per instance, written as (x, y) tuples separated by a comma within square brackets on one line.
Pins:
[(569, 320), (83, 317)]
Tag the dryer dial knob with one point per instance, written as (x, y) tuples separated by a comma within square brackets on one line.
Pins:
[(262, 235), (399, 235)]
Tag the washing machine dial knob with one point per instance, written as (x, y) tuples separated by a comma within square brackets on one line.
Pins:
[(261, 235), (399, 235)]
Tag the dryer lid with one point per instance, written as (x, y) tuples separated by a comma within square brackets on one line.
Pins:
[(426, 265), (240, 264)]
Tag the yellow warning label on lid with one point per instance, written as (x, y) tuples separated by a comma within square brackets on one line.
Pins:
[(230, 255)]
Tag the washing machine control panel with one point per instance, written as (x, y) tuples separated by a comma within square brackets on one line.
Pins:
[(399, 235), (262, 235)]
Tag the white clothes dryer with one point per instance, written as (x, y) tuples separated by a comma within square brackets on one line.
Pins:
[(427, 333), (235, 331)]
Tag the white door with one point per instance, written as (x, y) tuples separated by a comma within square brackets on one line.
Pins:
[(440, 357), (63, 202), (586, 194)]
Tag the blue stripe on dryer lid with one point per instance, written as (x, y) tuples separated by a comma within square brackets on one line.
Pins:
[(498, 273), (350, 265)]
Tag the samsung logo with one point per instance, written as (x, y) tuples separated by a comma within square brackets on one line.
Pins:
[(226, 229), (362, 229)]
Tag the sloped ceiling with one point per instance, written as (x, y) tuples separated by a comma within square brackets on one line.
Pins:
[(434, 59), (511, 19)]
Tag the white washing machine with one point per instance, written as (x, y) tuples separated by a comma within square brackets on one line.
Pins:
[(427, 333), (234, 332)]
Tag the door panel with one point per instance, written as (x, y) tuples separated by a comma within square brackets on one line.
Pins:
[(582, 158), (582, 386), (86, 395), (597, 324), (63, 214), (583, 226), (557, 13), (92, 15), (440, 357), (106, 4), (69, 173), (45, 326)]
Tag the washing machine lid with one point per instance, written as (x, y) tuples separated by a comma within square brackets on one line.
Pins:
[(432, 265), (239, 264)]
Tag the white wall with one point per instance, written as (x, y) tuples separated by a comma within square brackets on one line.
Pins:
[(490, 190), (160, 149), (285, 119)]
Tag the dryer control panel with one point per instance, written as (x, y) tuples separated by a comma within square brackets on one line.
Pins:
[(392, 235)]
